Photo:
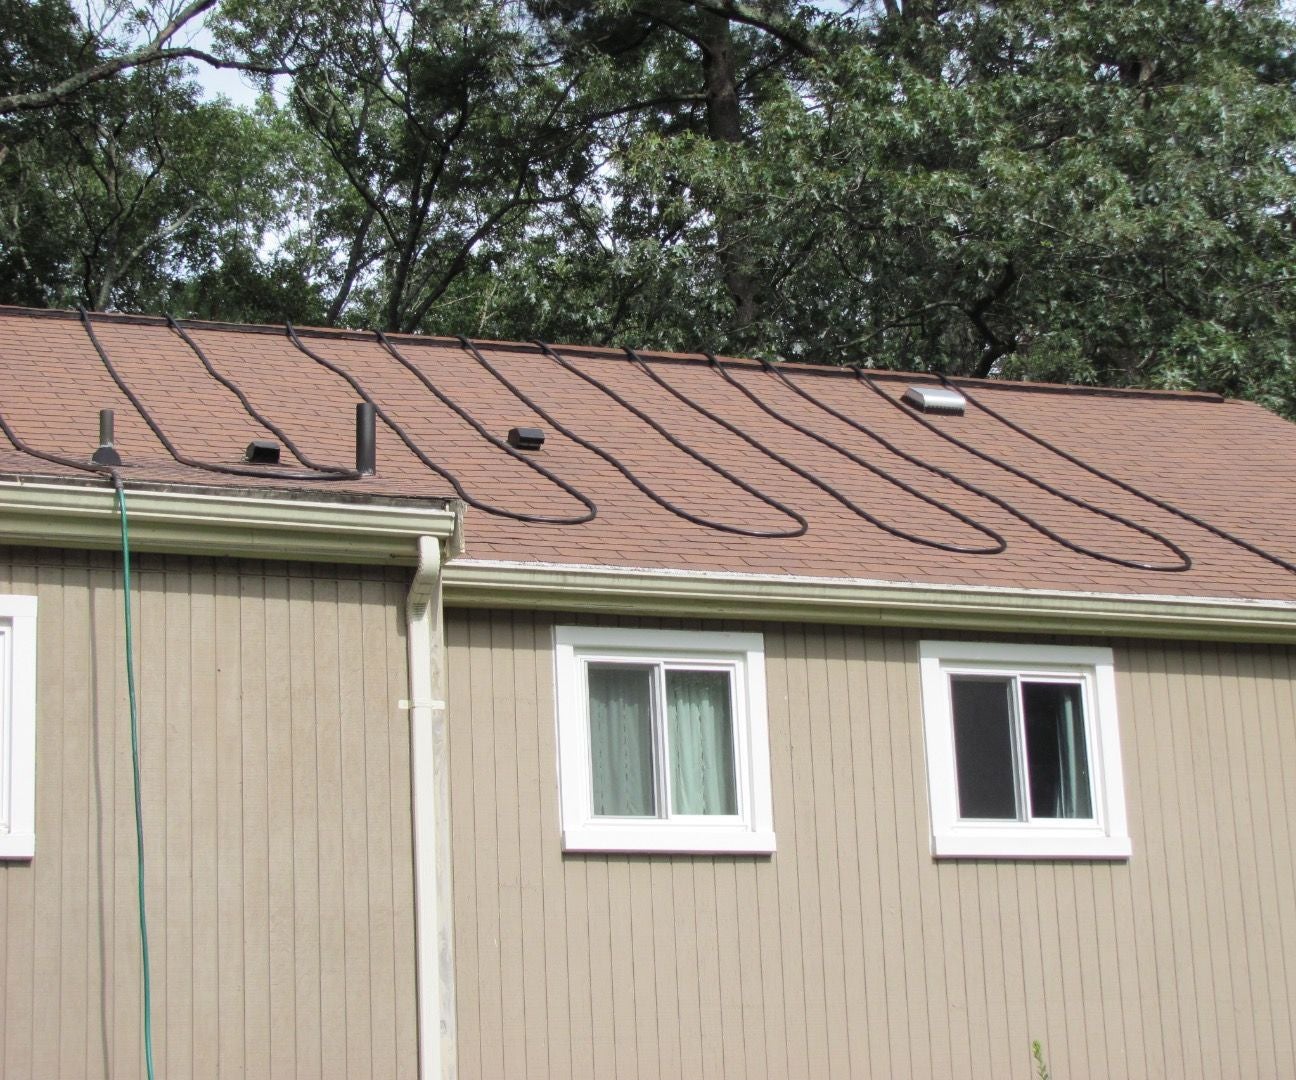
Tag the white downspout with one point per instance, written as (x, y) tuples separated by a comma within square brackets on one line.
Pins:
[(433, 927)]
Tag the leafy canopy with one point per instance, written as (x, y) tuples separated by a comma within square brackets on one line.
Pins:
[(1097, 192)]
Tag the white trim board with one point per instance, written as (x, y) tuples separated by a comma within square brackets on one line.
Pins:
[(741, 656), (17, 727), (235, 523), (862, 601), (1104, 835)]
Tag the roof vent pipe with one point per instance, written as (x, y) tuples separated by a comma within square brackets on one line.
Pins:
[(935, 399), (106, 453), (366, 439)]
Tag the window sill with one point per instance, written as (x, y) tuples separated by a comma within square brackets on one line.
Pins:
[(669, 839), (1002, 843), (17, 845)]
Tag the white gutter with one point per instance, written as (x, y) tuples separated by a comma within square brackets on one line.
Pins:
[(252, 524), (861, 601), (433, 926)]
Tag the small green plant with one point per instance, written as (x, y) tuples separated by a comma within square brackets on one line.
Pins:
[(1041, 1066)]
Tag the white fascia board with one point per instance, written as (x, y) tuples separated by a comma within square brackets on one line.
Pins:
[(215, 523), (860, 601)]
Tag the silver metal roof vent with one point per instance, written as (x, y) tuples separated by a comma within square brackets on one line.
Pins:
[(935, 399)]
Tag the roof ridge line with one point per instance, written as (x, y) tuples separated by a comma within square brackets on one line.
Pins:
[(614, 352)]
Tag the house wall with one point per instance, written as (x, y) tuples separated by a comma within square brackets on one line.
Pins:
[(276, 815), (851, 953)]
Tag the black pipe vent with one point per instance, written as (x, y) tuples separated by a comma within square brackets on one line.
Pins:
[(366, 439), (106, 452)]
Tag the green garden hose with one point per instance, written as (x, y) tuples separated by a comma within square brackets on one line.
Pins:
[(135, 768)]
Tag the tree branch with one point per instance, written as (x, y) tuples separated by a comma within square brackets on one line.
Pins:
[(113, 274), (996, 346), (355, 263), (739, 12), (155, 52)]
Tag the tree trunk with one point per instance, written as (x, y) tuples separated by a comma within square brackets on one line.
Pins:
[(724, 124), (352, 268)]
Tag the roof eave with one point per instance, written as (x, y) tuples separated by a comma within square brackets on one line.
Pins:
[(248, 524), (245, 524), (683, 594)]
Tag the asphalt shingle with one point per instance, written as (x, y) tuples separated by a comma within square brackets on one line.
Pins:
[(880, 491)]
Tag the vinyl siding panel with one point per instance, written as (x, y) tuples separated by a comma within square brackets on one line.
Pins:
[(277, 824), (851, 952)]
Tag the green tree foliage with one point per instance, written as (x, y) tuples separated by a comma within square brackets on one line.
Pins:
[(133, 193), (1098, 192), (647, 252), (452, 123)]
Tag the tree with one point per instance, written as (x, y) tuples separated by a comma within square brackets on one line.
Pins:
[(1095, 192), (1100, 193), (133, 189), (677, 74), (452, 125), (115, 194), (111, 44)]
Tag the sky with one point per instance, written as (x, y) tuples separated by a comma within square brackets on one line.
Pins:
[(221, 81), (217, 82)]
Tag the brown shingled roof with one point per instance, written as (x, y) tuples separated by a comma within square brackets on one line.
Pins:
[(1231, 464)]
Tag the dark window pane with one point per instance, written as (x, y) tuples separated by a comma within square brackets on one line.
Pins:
[(1057, 759), (621, 740), (983, 743)]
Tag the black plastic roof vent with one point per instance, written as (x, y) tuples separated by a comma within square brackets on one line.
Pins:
[(526, 438), (262, 452)]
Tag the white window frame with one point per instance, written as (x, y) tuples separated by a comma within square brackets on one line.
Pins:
[(1106, 835), (751, 830), (17, 727)]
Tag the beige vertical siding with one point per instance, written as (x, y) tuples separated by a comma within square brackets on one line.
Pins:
[(277, 819), (851, 953)]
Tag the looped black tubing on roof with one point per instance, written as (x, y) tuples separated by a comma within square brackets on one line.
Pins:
[(700, 458), (1161, 504), (999, 543), (156, 428), (591, 508), (327, 472), (412, 446), (1184, 561), (624, 470), (773, 455)]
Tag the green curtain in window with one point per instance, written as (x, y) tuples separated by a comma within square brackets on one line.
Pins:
[(621, 752), (700, 724)]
